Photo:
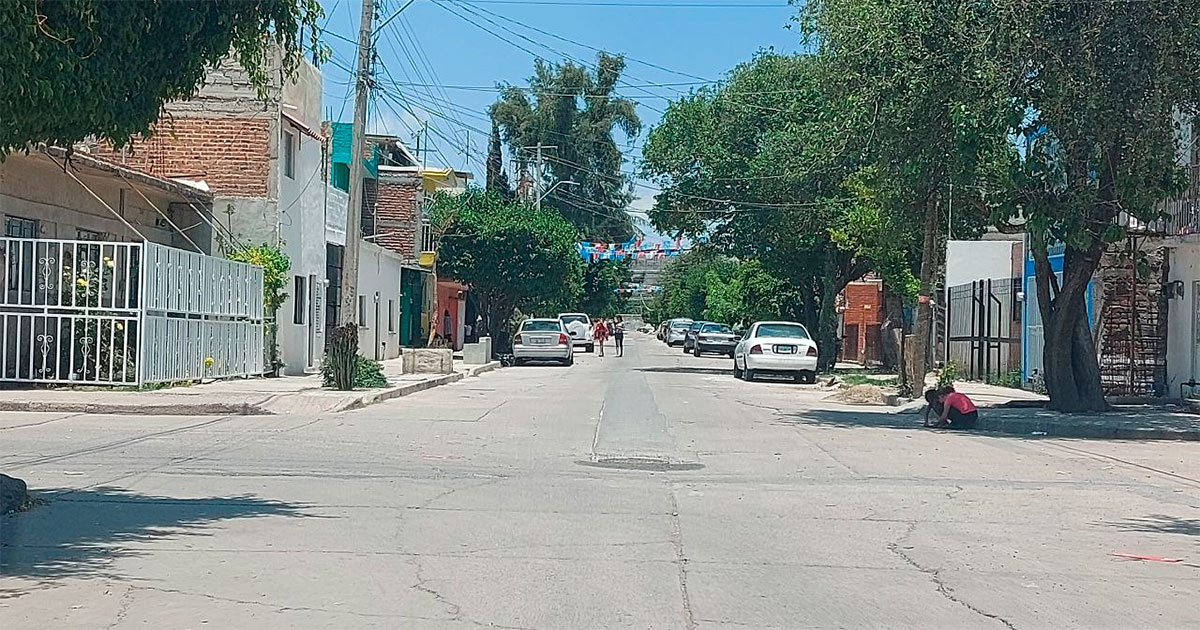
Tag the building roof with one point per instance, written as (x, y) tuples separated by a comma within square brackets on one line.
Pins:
[(80, 159)]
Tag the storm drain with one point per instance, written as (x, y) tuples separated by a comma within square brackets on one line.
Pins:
[(652, 464)]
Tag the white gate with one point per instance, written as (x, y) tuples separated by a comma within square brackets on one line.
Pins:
[(114, 313)]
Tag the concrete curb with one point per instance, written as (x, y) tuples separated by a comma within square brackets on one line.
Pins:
[(202, 409), (400, 390), (1033, 427), (476, 370)]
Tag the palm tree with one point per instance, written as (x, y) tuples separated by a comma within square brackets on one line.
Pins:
[(574, 109)]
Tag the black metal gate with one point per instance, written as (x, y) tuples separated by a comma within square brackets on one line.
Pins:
[(980, 319)]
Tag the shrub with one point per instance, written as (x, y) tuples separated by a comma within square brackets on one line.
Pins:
[(947, 374), (368, 374)]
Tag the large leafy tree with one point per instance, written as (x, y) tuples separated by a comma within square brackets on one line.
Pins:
[(912, 94), (510, 254), (1104, 88), (743, 164), (575, 110), (70, 69)]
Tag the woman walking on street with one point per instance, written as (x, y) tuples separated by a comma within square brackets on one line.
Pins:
[(600, 334), (618, 334)]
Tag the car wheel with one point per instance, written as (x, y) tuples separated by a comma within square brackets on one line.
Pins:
[(808, 378), (737, 371), (696, 351), (590, 348), (569, 361), (748, 375)]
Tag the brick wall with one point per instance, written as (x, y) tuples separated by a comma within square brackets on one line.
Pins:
[(397, 214), (862, 317), (232, 154)]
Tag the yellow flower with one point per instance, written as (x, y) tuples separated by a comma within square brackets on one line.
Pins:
[(120, 326), (81, 282), (208, 362)]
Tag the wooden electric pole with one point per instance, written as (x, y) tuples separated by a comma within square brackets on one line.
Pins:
[(348, 307)]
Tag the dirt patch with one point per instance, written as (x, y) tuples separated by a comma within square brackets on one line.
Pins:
[(862, 395)]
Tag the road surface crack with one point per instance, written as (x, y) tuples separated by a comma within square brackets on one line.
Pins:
[(897, 548), (680, 561), (126, 602)]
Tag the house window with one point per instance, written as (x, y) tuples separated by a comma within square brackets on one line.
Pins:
[(391, 316), (362, 311), (17, 227), (301, 301), (88, 235), (289, 155), (427, 236)]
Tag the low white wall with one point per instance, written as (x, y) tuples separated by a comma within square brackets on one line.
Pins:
[(1181, 315), (379, 283), (967, 261)]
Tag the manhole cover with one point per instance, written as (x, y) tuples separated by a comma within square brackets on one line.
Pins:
[(653, 464)]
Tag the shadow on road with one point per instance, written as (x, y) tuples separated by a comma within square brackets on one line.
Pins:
[(687, 369), (1158, 524), (80, 532), (853, 419)]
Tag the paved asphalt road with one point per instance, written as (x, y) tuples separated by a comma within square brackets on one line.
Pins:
[(653, 491)]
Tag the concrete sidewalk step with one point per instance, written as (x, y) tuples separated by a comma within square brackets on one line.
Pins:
[(251, 397)]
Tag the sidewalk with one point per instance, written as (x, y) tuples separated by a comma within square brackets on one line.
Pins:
[(1018, 412), (264, 396)]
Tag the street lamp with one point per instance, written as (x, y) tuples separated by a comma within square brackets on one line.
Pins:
[(561, 182)]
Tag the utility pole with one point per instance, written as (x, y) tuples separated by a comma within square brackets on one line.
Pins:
[(348, 308), (537, 174)]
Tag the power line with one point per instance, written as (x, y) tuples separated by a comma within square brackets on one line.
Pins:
[(638, 5), (581, 45)]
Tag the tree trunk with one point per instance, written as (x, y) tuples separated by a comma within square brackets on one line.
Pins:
[(891, 330), (1071, 368), (917, 346)]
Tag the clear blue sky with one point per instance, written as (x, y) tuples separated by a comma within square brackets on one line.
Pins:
[(701, 42)]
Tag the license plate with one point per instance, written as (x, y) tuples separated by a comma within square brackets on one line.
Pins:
[(784, 349), (541, 341)]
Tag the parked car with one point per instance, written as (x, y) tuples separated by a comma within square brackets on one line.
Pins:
[(676, 331), (579, 327), (689, 337), (783, 348), (715, 338), (543, 340)]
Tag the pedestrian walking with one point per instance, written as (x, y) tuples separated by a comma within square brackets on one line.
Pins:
[(600, 334), (618, 335)]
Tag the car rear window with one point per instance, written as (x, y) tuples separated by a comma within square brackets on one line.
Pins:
[(541, 326), (697, 325), (570, 319), (791, 331), (681, 325), (717, 328)]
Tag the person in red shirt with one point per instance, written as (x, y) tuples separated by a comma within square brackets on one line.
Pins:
[(600, 334), (957, 412)]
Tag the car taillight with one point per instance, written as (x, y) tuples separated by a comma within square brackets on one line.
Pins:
[(703, 337), (562, 339), (517, 340), (812, 351), (756, 350)]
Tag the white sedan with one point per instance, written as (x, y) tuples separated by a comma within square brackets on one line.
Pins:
[(543, 340), (783, 348)]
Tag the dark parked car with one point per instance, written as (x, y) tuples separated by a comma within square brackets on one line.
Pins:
[(715, 338), (689, 337)]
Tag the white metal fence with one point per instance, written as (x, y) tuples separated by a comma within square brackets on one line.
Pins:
[(114, 313)]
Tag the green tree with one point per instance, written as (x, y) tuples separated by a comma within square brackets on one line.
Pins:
[(70, 69), (510, 254), (744, 164), (575, 110), (913, 96), (601, 283), (1104, 88)]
